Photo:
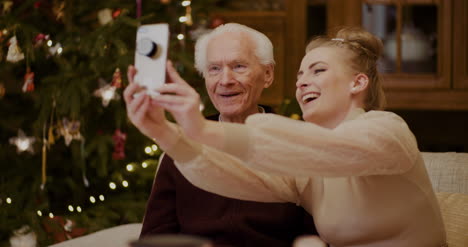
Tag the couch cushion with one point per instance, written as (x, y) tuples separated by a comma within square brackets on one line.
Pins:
[(448, 171), (454, 208)]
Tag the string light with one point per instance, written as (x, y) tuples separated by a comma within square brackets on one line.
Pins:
[(148, 150), (8, 200), (70, 208), (144, 164), (186, 3), (125, 183), (182, 19), (154, 147), (78, 209), (101, 197), (59, 50), (51, 215), (39, 213), (180, 36), (130, 167), (49, 43), (92, 199), (112, 185)]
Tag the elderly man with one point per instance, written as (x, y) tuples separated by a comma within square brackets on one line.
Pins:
[(237, 64)]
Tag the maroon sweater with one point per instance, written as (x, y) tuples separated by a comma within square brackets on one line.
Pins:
[(177, 206)]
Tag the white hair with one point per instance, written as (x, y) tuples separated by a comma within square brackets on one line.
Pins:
[(263, 47)]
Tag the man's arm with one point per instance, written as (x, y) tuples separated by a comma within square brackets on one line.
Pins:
[(160, 216)]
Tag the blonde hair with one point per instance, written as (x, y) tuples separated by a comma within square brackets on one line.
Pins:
[(366, 49)]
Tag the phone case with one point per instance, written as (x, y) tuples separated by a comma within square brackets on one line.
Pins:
[(150, 56)]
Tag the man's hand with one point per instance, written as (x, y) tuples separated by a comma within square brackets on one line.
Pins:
[(144, 114), (182, 101)]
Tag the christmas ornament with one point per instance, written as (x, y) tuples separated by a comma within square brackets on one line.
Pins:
[(23, 237), (295, 116), (56, 49), (2, 90), (62, 229), (39, 39), (165, 1), (105, 16), (14, 52), (106, 92), (188, 16), (7, 7), (23, 142), (116, 13), (216, 21), (59, 10), (119, 145), (28, 85), (70, 130), (117, 78)]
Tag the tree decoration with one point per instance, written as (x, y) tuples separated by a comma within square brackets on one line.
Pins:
[(14, 52), (116, 13), (117, 78), (40, 38), (22, 142), (295, 116), (106, 92), (165, 1), (105, 16), (23, 237), (56, 49), (62, 229), (119, 145), (28, 85), (7, 7), (70, 130), (59, 10)]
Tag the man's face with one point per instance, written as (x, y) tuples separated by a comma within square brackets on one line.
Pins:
[(234, 77)]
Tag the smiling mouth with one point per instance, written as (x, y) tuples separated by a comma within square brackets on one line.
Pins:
[(309, 98), (228, 95)]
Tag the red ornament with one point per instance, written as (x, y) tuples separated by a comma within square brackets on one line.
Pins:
[(39, 39), (61, 229), (116, 13), (216, 22), (117, 78), (119, 145), (28, 85)]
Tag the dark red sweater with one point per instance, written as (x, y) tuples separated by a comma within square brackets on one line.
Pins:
[(177, 206)]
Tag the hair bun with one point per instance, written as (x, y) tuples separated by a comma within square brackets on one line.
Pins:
[(363, 38)]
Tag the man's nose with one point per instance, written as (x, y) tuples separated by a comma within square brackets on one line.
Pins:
[(226, 76)]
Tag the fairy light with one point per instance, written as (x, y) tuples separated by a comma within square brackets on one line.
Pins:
[(148, 150), (130, 167), (70, 208), (186, 3), (59, 50), (78, 209), (125, 183), (201, 107), (49, 43), (112, 185), (51, 215), (8, 200), (39, 213), (92, 199), (101, 197), (144, 164), (154, 147), (180, 36), (182, 19)]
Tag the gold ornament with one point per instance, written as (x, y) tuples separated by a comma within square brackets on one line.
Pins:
[(58, 10), (295, 116)]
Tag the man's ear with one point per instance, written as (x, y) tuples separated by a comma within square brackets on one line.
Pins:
[(269, 75), (359, 84)]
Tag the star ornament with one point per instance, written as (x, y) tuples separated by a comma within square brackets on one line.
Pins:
[(22, 142), (70, 130), (107, 93)]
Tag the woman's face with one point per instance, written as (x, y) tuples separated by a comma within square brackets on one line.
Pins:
[(324, 86)]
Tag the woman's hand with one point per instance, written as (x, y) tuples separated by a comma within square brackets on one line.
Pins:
[(182, 101), (142, 112)]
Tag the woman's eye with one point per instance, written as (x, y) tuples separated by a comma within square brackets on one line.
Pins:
[(319, 70)]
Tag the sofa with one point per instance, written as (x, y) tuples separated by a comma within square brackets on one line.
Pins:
[(448, 173)]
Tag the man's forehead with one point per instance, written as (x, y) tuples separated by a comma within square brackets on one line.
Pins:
[(230, 48)]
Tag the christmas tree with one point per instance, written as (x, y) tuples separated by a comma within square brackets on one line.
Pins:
[(71, 162)]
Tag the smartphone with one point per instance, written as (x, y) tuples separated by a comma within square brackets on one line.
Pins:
[(172, 240), (152, 43)]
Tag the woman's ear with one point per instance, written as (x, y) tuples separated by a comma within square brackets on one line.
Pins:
[(359, 84), (269, 75)]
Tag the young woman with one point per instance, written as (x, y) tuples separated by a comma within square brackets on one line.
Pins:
[(355, 168)]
